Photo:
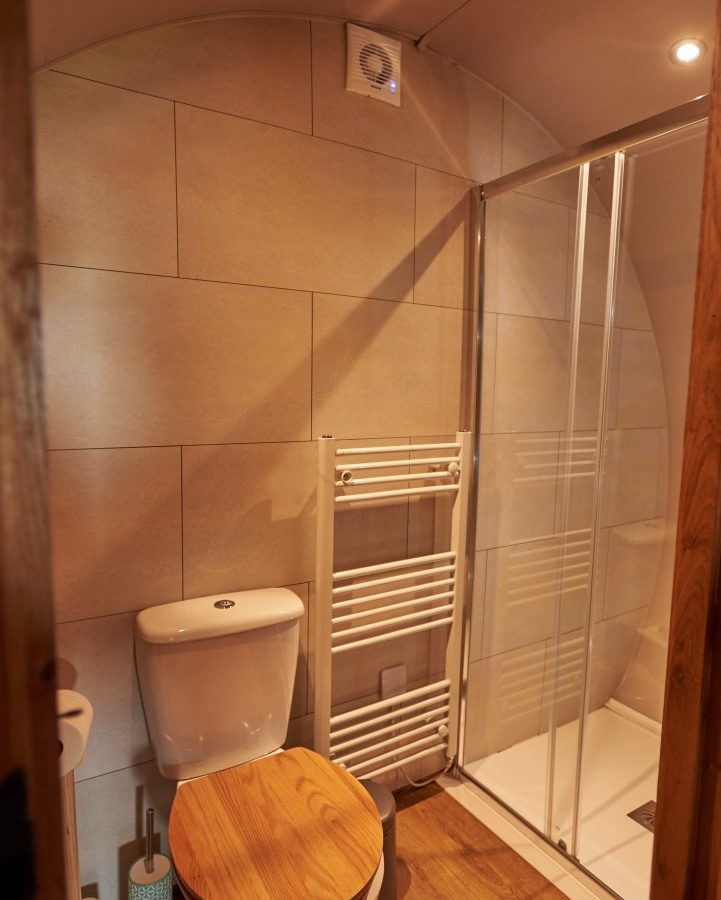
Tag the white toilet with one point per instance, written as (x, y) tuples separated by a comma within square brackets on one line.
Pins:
[(248, 820)]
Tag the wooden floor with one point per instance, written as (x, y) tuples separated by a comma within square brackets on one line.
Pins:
[(444, 853)]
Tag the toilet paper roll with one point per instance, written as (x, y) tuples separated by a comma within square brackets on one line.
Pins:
[(73, 730)]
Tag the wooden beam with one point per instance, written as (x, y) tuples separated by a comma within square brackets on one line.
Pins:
[(687, 848), (31, 846)]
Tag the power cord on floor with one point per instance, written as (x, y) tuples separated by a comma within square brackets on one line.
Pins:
[(432, 778)]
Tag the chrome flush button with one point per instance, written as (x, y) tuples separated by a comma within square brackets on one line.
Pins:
[(224, 604)]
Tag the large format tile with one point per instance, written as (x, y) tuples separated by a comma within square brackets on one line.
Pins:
[(105, 169), (488, 371), (504, 700), (517, 483), (631, 307), (222, 64), (641, 396), (478, 602), (631, 485), (261, 205), (526, 256), (442, 239), (594, 274), (632, 566), (111, 826), (115, 527), (248, 516), (137, 360), (447, 119), (526, 583), (384, 369), (531, 382), (525, 142), (95, 657), (372, 532)]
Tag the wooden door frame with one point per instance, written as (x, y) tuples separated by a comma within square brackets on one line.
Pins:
[(30, 820), (687, 848)]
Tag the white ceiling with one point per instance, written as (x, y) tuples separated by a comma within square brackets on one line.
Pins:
[(581, 67)]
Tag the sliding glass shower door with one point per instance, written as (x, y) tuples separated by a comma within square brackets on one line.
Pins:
[(572, 524)]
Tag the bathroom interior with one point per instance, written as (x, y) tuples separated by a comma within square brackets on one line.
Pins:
[(242, 261)]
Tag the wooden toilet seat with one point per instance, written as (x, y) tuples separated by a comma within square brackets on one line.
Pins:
[(284, 827)]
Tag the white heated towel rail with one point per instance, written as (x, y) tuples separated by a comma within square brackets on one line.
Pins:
[(357, 608)]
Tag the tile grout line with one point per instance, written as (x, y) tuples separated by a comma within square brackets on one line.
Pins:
[(266, 287), (177, 214), (318, 137), (312, 355), (415, 231), (310, 57), (384, 437), (182, 530)]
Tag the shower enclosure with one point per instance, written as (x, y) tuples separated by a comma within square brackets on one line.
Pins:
[(588, 285)]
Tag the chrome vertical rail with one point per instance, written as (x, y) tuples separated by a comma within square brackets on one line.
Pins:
[(473, 393), (609, 317), (579, 253)]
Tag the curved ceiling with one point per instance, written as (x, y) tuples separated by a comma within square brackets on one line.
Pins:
[(581, 69)]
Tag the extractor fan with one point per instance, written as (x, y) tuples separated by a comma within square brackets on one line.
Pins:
[(374, 65)]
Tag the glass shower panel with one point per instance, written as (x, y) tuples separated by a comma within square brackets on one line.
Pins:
[(579, 473), (646, 393), (520, 580)]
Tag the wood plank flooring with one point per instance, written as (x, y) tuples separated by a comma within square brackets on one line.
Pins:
[(444, 853)]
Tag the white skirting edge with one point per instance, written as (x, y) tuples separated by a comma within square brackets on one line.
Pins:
[(562, 873)]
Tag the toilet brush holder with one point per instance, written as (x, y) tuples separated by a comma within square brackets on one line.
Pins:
[(150, 876)]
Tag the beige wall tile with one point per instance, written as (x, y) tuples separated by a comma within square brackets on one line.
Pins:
[(430, 518), (111, 825), (374, 532), (531, 384), (563, 678), (442, 239), (488, 374), (633, 460), (95, 657), (631, 308), (615, 642), (257, 68), (447, 120), (516, 488), (525, 142), (103, 200), (578, 462), (355, 677), (115, 528), (504, 700), (384, 369), (634, 556), (641, 396), (261, 205), (595, 268), (478, 603), (524, 584), (137, 360), (526, 256), (587, 398), (248, 516), (300, 685)]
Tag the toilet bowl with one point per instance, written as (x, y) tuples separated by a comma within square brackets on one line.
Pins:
[(248, 820)]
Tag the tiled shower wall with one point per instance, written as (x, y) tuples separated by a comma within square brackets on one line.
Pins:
[(238, 256)]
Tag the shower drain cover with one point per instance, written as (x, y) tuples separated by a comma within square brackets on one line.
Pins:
[(645, 815)]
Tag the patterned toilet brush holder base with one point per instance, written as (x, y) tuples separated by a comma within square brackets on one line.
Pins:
[(155, 885)]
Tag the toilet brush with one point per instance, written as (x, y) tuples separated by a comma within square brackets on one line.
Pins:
[(149, 877)]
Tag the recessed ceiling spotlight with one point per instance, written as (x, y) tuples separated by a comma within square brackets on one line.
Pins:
[(687, 51)]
